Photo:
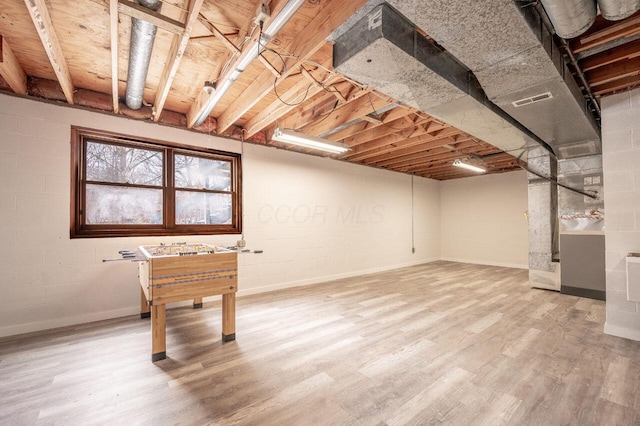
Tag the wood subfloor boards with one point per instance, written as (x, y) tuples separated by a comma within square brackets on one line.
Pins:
[(442, 342)]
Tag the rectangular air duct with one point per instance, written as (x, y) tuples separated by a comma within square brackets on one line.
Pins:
[(385, 50), (510, 50)]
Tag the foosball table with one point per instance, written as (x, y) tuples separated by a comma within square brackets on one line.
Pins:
[(177, 272)]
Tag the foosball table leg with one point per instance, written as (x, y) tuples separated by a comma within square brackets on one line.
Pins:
[(144, 306), (197, 303), (228, 317), (158, 333)]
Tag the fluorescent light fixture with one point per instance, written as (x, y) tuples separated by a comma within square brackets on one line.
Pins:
[(275, 24), (300, 139), (283, 17), (473, 168)]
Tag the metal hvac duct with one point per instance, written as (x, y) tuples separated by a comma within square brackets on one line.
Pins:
[(142, 36), (514, 58), (614, 10), (386, 51), (570, 18)]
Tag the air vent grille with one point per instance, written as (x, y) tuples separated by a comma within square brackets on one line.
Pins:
[(532, 99), (578, 150)]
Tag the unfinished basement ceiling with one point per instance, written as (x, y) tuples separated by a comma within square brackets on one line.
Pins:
[(198, 43), (494, 53)]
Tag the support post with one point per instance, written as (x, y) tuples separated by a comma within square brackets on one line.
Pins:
[(544, 266)]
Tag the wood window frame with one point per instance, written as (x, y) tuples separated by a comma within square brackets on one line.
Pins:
[(78, 227)]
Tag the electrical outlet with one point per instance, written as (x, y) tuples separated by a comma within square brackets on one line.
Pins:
[(262, 14)]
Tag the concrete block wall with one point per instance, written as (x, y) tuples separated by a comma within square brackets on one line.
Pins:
[(483, 221), (316, 219), (621, 167)]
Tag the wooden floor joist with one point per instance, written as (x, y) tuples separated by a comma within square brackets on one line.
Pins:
[(178, 47), (11, 70), (42, 22), (302, 48), (292, 97), (197, 45)]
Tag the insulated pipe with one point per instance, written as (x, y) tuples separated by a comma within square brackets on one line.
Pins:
[(142, 36), (570, 18), (614, 10)]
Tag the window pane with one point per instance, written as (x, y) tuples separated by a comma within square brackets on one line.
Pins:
[(202, 173), (121, 164), (202, 208), (121, 205)]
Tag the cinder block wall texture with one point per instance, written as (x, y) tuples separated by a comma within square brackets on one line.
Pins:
[(316, 220), (621, 164)]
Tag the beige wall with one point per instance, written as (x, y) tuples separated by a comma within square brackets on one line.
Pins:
[(316, 219), (482, 220)]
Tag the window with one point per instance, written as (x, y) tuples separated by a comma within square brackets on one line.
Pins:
[(126, 187)]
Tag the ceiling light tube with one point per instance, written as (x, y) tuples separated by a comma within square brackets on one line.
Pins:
[(300, 139), (459, 163), (214, 97), (283, 17), (249, 55)]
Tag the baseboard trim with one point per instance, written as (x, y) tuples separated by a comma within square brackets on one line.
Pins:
[(584, 292), (31, 327), (484, 262), (327, 278), (14, 330), (624, 332)]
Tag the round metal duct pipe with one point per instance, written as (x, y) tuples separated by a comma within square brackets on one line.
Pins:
[(614, 10), (142, 36), (570, 18)]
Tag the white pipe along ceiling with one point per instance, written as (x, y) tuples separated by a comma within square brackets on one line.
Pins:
[(486, 55)]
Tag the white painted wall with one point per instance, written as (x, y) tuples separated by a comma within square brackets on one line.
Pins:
[(323, 218), (621, 166), (482, 220), (316, 219)]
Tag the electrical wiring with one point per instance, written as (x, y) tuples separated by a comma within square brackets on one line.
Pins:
[(413, 233), (275, 86), (329, 90), (284, 63), (284, 70), (304, 98)]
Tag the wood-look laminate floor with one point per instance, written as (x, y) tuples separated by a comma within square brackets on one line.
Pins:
[(438, 343)]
